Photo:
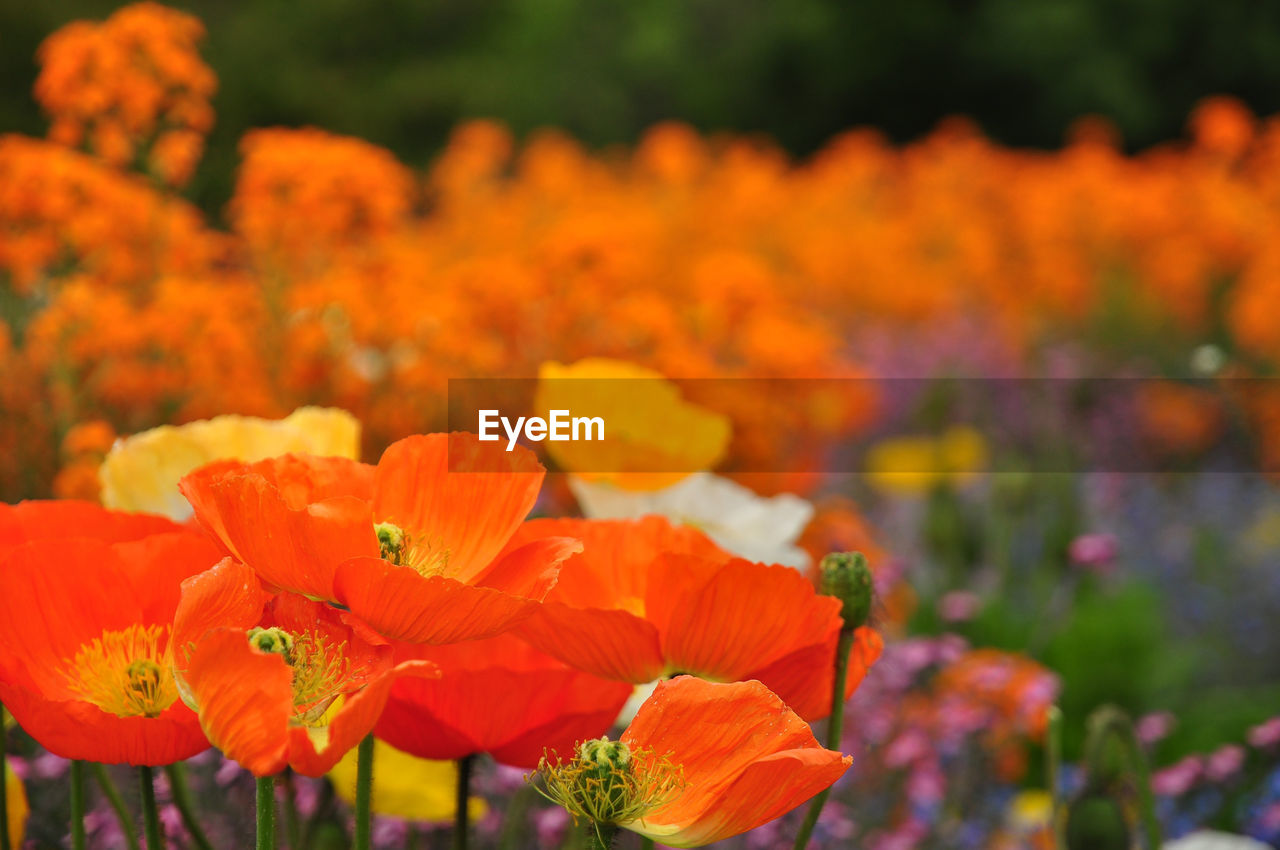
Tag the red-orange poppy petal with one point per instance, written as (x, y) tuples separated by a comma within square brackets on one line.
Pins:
[(746, 758), (611, 644), (60, 519), (229, 595), (244, 698), (76, 729), (314, 752), (766, 789), (803, 679), (743, 615), (264, 515), (157, 565), (55, 597), (531, 570), (400, 603), (613, 569), (464, 495), (512, 714)]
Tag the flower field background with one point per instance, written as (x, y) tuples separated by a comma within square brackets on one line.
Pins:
[(337, 276)]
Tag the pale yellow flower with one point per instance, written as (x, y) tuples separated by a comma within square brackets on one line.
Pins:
[(914, 465), (405, 786), (15, 798), (141, 472), (652, 436), (1030, 811)]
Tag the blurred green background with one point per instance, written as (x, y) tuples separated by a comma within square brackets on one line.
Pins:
[(401, 72)]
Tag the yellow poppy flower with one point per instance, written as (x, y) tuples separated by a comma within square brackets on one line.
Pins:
[(15, 798), (141, 472), (652, 436), (913, 465), (405, 786)]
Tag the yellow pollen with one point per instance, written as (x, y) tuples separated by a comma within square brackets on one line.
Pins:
[(425, 554), (125, 673), (608, 782), (321, 671)]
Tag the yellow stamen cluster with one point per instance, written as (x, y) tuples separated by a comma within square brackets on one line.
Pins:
[(126, 673), (321, 670), (606, 782), (428, 556)]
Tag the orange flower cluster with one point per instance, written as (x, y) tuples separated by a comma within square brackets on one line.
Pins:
[(316, 601), (132, 89), (348, 280)]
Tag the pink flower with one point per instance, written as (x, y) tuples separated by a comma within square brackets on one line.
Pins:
[(958, 606), (1094, 552), (1265, 735), (1178, 778), (1224, 763), (1155, 726)]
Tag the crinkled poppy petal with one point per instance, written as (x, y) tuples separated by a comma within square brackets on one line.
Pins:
[(398, 602), (743, 615), (532, 569), (79, 730), (157, 565), (513, 715), (63, 518), (596, 704), (294, 544), (469, 507), (713, 731), (56, 596), (803, 679), (227, 596), (314, 751), (610, 644), (244, 698), (766, 789)]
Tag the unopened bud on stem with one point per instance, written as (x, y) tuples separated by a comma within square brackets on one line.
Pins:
[(846, 576)]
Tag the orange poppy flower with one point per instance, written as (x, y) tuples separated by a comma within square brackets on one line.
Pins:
[(88, 648), (414, 546), (498, 696), (58, 520), (646, 599), (278, 679), (701, 762)]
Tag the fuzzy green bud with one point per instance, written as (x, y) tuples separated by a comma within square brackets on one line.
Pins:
[(846, 576)]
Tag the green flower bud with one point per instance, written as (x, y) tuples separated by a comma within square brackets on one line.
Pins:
[(846, 576), (1096, 821)]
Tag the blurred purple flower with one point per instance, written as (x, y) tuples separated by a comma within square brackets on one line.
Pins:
[(1177, 778), (551, 825), (1095, 553), (49, 766), (1224, 763), (1155, 726), (959, 606), (1265, 735)]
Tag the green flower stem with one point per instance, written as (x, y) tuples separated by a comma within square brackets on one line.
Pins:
[(266, 813), (364, 793), (182, 800), (835, 731), (461, 826), (1108, 723), (1053, 766), (112, 794), (150, 814), (77, 806), (600, 836)]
